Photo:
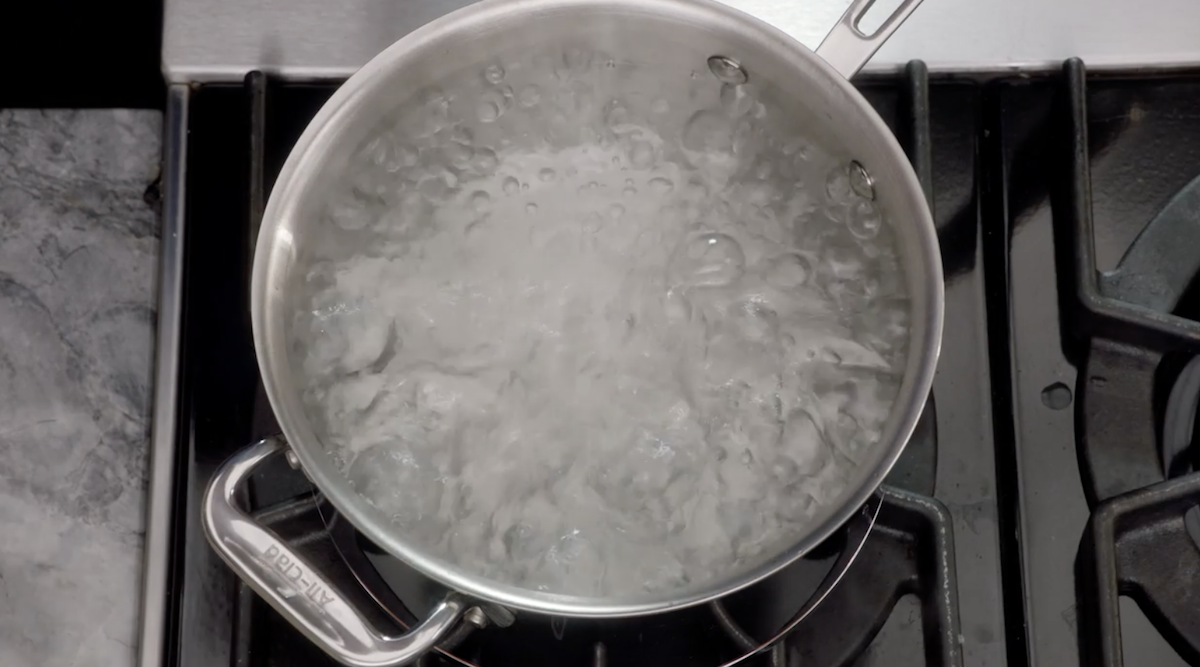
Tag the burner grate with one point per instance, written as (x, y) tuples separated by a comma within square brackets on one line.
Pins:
[(1138, 543), (909, 552), (911, 568)]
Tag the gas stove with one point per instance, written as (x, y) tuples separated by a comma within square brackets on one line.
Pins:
[(1042, 515)]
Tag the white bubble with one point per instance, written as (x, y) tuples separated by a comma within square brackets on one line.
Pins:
[(661, 185), (641, 154), (863, 220), (837, 185), (485, 159), (618, 117), (530, 96), (709, 259), (487, 111), (494, 74), (480, 200), (789, 271)]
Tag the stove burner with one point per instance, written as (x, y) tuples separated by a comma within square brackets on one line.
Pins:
[(909, 551), (1179, 435), (1140, 547), (769, 609), (897, 602)]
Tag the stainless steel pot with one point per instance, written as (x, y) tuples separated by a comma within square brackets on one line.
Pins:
[(638, 29)]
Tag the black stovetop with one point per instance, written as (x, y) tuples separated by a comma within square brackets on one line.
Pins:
[(1028, 522)]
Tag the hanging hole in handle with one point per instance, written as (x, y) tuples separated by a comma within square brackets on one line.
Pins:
[(846, 48), (874, 15)]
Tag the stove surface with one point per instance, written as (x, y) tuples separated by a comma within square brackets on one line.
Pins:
[(1028, 522), (220, 40)]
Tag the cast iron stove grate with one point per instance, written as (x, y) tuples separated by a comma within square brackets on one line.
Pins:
[(898, 603)]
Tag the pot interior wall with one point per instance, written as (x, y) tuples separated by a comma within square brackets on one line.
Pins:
[(656, 50)]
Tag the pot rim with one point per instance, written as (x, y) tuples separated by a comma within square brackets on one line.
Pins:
[(274, 252)]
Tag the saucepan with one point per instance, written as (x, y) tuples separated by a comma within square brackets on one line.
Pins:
[(734, 46)]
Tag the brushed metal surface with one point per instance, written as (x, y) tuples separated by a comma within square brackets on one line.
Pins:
[(221, 40), (160, 495), (850, 44), (630, 27), (300, 592)]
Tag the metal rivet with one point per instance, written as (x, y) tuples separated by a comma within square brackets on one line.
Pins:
[(476, 617), (861, 182), (292, 459), (727, 70), (500, 616)]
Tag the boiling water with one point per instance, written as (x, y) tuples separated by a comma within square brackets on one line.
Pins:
[(589, 340)]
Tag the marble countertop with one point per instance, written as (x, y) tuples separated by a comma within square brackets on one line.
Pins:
[(78, 249)]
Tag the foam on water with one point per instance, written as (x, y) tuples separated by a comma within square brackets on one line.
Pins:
[(586, 339)]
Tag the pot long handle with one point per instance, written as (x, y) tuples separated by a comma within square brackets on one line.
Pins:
[(295, 589), (847, 48)]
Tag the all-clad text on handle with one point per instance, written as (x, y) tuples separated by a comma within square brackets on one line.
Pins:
[(296, 589)]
